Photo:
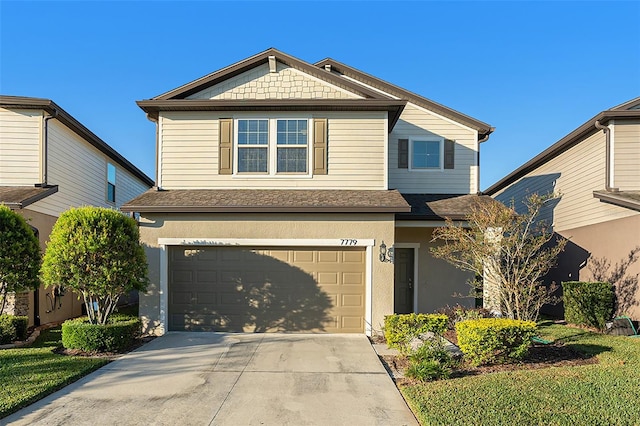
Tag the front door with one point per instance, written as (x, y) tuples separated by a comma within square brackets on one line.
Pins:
[(403, 281)]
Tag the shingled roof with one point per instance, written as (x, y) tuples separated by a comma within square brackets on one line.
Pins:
[(17, 197), (267, 201), (441, 206)]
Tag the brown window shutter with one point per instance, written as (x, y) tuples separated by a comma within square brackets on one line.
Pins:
[(449, 156), (225, 159), (320, 146), (403, 153)]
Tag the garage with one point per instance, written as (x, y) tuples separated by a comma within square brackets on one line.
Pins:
[(266, 289)]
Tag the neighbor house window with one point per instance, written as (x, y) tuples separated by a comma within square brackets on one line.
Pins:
[(292, 146), (111, 183), (426, 154), (272, 146), (253, 146)]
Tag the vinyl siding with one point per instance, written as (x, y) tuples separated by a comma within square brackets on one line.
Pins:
[(574, 174), (417, 122), (286, 83), (356, 152), (627, 155), (80, 171), (20, 147)]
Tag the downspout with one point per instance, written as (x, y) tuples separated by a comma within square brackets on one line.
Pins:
[(45, 160), (607, 165)]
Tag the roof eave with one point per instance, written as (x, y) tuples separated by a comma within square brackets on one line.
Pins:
[(612, 198), (251, 209)]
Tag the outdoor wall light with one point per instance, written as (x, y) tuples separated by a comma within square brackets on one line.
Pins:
[(386, 255)]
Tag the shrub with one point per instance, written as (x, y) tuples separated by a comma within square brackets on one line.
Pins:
[(116, 336), (430, 362), (19, 255), (20, 323), (490, 340), (589, 304), (7, 329), (399, 329)]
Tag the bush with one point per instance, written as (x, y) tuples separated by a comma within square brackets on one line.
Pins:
[(399, 329), (491, 340), (430, 362), (116, 336), (7, 329), (589, 304), (12, 328)]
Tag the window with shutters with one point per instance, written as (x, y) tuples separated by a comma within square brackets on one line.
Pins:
[(272, 146), (426, 154)]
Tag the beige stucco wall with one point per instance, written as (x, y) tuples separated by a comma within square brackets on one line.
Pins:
[(438, 281), (268, 226), (612, 240)]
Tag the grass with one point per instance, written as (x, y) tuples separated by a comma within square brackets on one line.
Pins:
[(28, 374), (606, 393)]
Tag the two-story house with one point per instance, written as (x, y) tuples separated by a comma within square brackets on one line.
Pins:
[(301, 197), (50, 162), (596, 172)]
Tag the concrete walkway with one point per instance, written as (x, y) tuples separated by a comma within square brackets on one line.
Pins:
[(231, 379)]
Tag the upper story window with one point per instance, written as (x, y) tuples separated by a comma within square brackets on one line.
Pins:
[(272, 146), (426, 154), (111, 183)]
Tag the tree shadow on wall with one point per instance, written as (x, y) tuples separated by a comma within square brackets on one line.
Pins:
[(208, 293), (625, 284)]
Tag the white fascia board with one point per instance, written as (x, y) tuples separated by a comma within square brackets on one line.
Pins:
[(427, 223)]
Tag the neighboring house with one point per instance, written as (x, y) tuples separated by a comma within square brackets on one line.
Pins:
[(282, 187), (50, 162), (596, 171)]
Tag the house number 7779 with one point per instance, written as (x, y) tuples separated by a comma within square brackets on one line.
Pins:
[(348, 242)]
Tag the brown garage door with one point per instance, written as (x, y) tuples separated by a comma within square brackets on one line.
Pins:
[(266, 289)]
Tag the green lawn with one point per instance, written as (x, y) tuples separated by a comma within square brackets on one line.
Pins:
[(28, 374), (607, 393)]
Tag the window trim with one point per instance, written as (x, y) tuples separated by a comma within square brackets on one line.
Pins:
[(109, 183), (440, 141), (272, 147)]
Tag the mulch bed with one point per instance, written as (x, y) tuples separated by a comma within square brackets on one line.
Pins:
[(539, 356)]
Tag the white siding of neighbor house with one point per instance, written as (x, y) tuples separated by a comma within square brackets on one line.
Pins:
[(627, 154), (356, 152), (574, 174), (20, 133), (80, 171), (286, 83), (418, 122)]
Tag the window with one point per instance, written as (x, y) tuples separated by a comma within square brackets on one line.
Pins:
[(272, 146), (292, 146), (111, 183), (253, 139), (426, 154)]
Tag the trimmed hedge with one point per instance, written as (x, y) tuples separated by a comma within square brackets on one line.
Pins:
[(12, 328), (494, 340), (589, 304), (116, 336), (399, 329)]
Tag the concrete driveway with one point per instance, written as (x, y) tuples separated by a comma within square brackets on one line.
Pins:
[(232, 379)]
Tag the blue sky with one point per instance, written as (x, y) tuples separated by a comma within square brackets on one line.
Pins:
[(534, 70)]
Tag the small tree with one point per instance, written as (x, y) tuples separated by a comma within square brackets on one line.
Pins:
[(510, 250), (96, 252), (19, 255)]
